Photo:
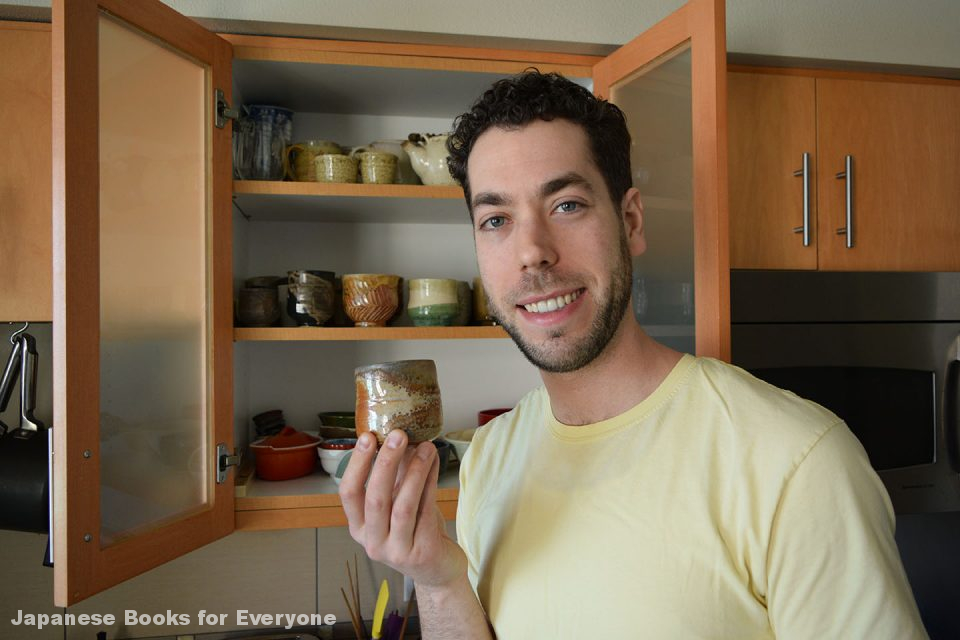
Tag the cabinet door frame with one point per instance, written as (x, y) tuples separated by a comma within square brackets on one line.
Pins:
[(83, 567), (701, 24)]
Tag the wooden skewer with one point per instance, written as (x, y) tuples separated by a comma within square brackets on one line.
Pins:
[(406, 615), (356, 575), (353, 616)]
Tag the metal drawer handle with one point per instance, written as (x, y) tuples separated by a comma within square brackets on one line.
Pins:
[(848, 176), (805, 172)]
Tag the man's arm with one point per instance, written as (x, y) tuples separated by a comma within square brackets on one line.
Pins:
[(396, 520), (834, 570)]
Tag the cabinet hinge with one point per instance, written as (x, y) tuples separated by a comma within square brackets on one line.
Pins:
[(224, 461), (223, 111)]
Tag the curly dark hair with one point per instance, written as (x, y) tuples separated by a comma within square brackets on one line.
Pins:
[(531, 95)]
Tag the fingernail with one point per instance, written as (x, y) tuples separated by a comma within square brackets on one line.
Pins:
[(364, 442), (424, 452), (394, 438)]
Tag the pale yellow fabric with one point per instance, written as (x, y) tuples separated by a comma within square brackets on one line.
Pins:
[(719, 507)]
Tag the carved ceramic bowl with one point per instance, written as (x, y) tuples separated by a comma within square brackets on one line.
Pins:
[(370, 299)]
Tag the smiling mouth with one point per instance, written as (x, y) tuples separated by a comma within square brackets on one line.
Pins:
[(552, 304)]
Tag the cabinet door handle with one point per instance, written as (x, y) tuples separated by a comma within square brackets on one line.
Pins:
[(805, 173), (848, 176)]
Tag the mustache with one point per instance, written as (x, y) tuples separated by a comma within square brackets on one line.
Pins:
[(541, 283)]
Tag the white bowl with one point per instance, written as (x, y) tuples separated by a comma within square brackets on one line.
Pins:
[(460, 440), (330, 459)]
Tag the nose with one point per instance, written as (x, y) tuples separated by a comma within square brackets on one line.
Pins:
[(535, 246)]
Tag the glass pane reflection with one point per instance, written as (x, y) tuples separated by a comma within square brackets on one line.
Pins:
[(153, 282), (658, 103)]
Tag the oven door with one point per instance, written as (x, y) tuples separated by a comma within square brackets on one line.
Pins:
[(895, 385)]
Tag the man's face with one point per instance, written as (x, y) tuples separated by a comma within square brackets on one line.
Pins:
[(553, 250)]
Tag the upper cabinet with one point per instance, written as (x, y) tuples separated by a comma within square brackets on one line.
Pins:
[(152, 238), (843, 172), (25, 245)]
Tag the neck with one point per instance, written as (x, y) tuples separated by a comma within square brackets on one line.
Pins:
[(629, 369)]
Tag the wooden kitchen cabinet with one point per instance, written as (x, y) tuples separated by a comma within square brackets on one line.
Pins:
[(25, 241), (351, 92), (903, 138)]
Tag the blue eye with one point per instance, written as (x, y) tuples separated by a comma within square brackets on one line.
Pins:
[(568, 207), (493, 222)]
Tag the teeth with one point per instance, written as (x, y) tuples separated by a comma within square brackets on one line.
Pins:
[(551, 304)]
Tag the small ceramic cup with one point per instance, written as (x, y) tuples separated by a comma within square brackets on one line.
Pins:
[(481, 312), (310, 297), (257, 307), (433, 302), (370, 299), (399, 395), (303, 168), (377, 167), (335, 167)]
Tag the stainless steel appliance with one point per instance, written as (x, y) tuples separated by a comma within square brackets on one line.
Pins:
[(881, 350)]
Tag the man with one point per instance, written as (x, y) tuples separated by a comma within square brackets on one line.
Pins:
[(639, 492)]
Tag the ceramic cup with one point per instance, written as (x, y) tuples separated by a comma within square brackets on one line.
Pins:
[(302, 167), (257, 307), (370, 299), (377, 167), (310, 297), (399, 395), (405, 172), (481, 312), (433, 302), (335, 167)]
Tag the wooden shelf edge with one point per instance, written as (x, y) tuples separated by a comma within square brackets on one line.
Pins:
[(344, 189), (309, 518), (282, 334)]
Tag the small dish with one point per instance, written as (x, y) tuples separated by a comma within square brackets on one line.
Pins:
[(460, 440), (331, 452)]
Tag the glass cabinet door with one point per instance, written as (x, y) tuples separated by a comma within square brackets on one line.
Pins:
[(671, 83), (142, 292)]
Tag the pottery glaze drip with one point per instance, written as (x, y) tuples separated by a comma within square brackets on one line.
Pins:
[(399, 395)]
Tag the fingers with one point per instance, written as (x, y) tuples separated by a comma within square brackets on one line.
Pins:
[(407, 505), (379, 499), (352, 493), (428, 503)]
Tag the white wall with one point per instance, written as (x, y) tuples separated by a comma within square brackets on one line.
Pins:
[(922, 32)]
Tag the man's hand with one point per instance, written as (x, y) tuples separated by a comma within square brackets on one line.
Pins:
[(395, 518)]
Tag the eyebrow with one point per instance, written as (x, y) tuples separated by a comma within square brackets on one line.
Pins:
[(548, 188), (573, 178)]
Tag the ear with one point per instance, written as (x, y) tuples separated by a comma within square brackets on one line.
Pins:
[(631, 210)]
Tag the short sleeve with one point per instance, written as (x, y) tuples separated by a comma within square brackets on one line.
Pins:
[(833, 568)]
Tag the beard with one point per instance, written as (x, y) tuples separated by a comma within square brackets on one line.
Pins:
[(552, 356)]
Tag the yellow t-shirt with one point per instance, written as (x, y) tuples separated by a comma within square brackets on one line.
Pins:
[(719, 507)]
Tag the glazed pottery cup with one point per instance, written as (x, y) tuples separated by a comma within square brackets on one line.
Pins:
[(405, 172), (377, 167), (370, 299), (399, 395), (257, 307), (309, 297), (433, 302), (481, 312), (335, 167), (302, 167)]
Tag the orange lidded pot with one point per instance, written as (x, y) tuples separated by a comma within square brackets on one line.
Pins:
[(286, 455)]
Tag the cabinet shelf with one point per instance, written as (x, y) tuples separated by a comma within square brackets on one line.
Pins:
[(312, 501), (366, 333), (343, 202)]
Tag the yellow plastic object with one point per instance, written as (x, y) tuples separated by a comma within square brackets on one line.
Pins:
[(381, 607)]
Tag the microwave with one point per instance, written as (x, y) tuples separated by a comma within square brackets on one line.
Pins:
[(880, 350)]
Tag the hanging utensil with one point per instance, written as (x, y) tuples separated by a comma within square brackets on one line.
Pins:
[(9, 379), (28, 385)]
